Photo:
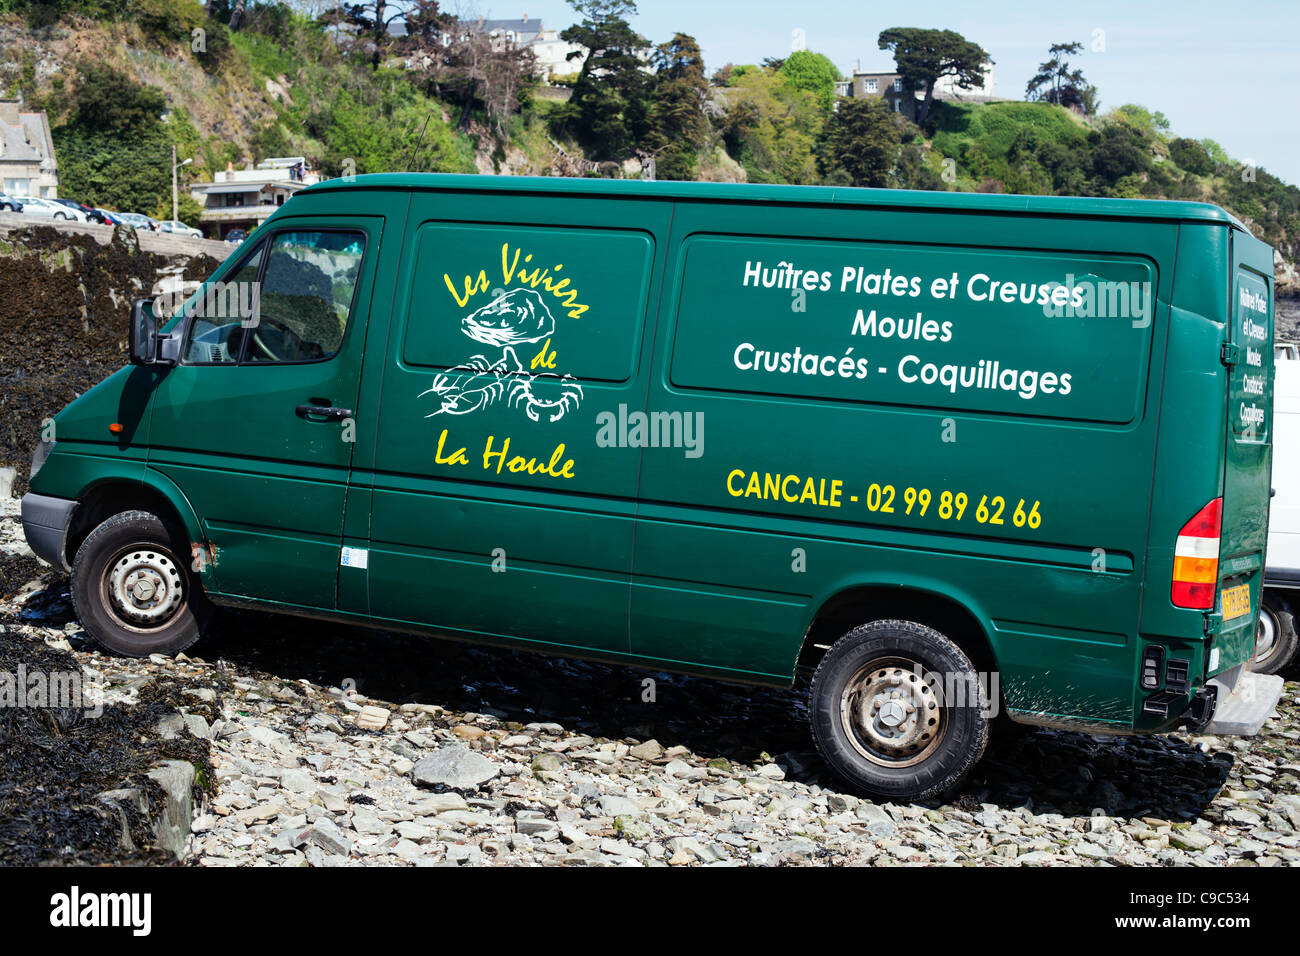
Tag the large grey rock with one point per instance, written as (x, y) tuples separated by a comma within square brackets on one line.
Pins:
[(297, 781), (118, 801), (329, 839), (171, 825), (877, 821), (454, 766), (612, 805)]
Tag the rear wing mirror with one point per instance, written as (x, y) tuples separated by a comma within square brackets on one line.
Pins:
[(147, 345)]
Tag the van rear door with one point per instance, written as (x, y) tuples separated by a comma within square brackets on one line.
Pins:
[(1248, 353)]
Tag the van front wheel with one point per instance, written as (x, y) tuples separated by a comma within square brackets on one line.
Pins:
[(898, 711), (133, 592)]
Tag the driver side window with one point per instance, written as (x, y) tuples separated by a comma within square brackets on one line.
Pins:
[(289, 302), (222, 314), (306, 296)]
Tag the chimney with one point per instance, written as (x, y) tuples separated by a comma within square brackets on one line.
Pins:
[(525, 18), (9, 112)]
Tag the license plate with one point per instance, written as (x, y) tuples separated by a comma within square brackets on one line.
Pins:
[(1236, 601)]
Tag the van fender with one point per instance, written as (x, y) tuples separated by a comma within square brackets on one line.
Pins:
[(202, 552)]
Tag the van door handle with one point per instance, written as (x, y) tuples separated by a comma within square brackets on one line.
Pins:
[(323, 413)]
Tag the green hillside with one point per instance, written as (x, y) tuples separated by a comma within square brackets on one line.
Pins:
[(124, 80)]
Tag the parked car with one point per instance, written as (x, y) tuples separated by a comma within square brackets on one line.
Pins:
[(139, 221), (177, 228), (236, 236), (1277, 640), (9, 203), (111, 218), (91, 213), (934, 479), (48, 209)]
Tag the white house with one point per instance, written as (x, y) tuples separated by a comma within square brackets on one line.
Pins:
[(245, 198), (27, 165)]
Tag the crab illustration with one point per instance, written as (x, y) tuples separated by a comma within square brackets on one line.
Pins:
[(517, 317), (547, 392)]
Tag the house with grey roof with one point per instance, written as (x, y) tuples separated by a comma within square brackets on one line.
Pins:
[(889, 86), (27, 165)]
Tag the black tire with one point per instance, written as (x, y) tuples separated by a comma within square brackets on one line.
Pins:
[(1276, 639), (930, 756), (170, 609)]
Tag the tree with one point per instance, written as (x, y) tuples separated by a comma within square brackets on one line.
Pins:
[(922, 57), (678, 124), (1119, 150), (608, 109), (1191, 156), (771, 128), (108, 100), (861, 139), (369, 21), (459, 61), (1056, 83), (814, 72), (114, 151)]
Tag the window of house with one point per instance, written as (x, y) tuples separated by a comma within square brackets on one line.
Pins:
[(898, 106), (871, 86), (898, 85)]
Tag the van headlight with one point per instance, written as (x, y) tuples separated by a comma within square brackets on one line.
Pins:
[(39, 455)]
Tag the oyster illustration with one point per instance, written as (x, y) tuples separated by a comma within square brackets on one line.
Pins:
[(516, 317)]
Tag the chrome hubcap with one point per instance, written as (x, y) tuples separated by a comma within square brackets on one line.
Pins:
[(1265, 635), (145, 587), (891, 712)]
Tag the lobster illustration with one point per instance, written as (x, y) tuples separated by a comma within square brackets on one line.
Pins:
[(474, 385)]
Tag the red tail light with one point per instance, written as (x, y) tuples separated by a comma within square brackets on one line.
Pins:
[(1196, 559)]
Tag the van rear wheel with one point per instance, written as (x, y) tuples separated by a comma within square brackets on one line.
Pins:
[(134, 592), (898, 711), (1276, 639)]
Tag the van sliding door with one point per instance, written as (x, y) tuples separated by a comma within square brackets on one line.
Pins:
[(503, 501)]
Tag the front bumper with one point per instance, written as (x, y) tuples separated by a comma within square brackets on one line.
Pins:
[(1243, 701), (45, 524)]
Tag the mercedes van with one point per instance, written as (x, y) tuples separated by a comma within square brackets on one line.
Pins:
[(955, 456)]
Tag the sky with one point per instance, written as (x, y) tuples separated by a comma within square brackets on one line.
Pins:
[(1228, 70)]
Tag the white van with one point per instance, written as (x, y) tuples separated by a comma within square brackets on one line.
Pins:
[(1277, 640)]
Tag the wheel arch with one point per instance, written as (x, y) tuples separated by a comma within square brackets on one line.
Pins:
[(950, 612), (112, 495)]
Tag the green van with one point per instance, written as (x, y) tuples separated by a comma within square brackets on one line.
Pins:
[(961, 457)]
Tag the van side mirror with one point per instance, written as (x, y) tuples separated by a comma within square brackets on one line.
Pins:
[(143, 334), (146, 346)]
